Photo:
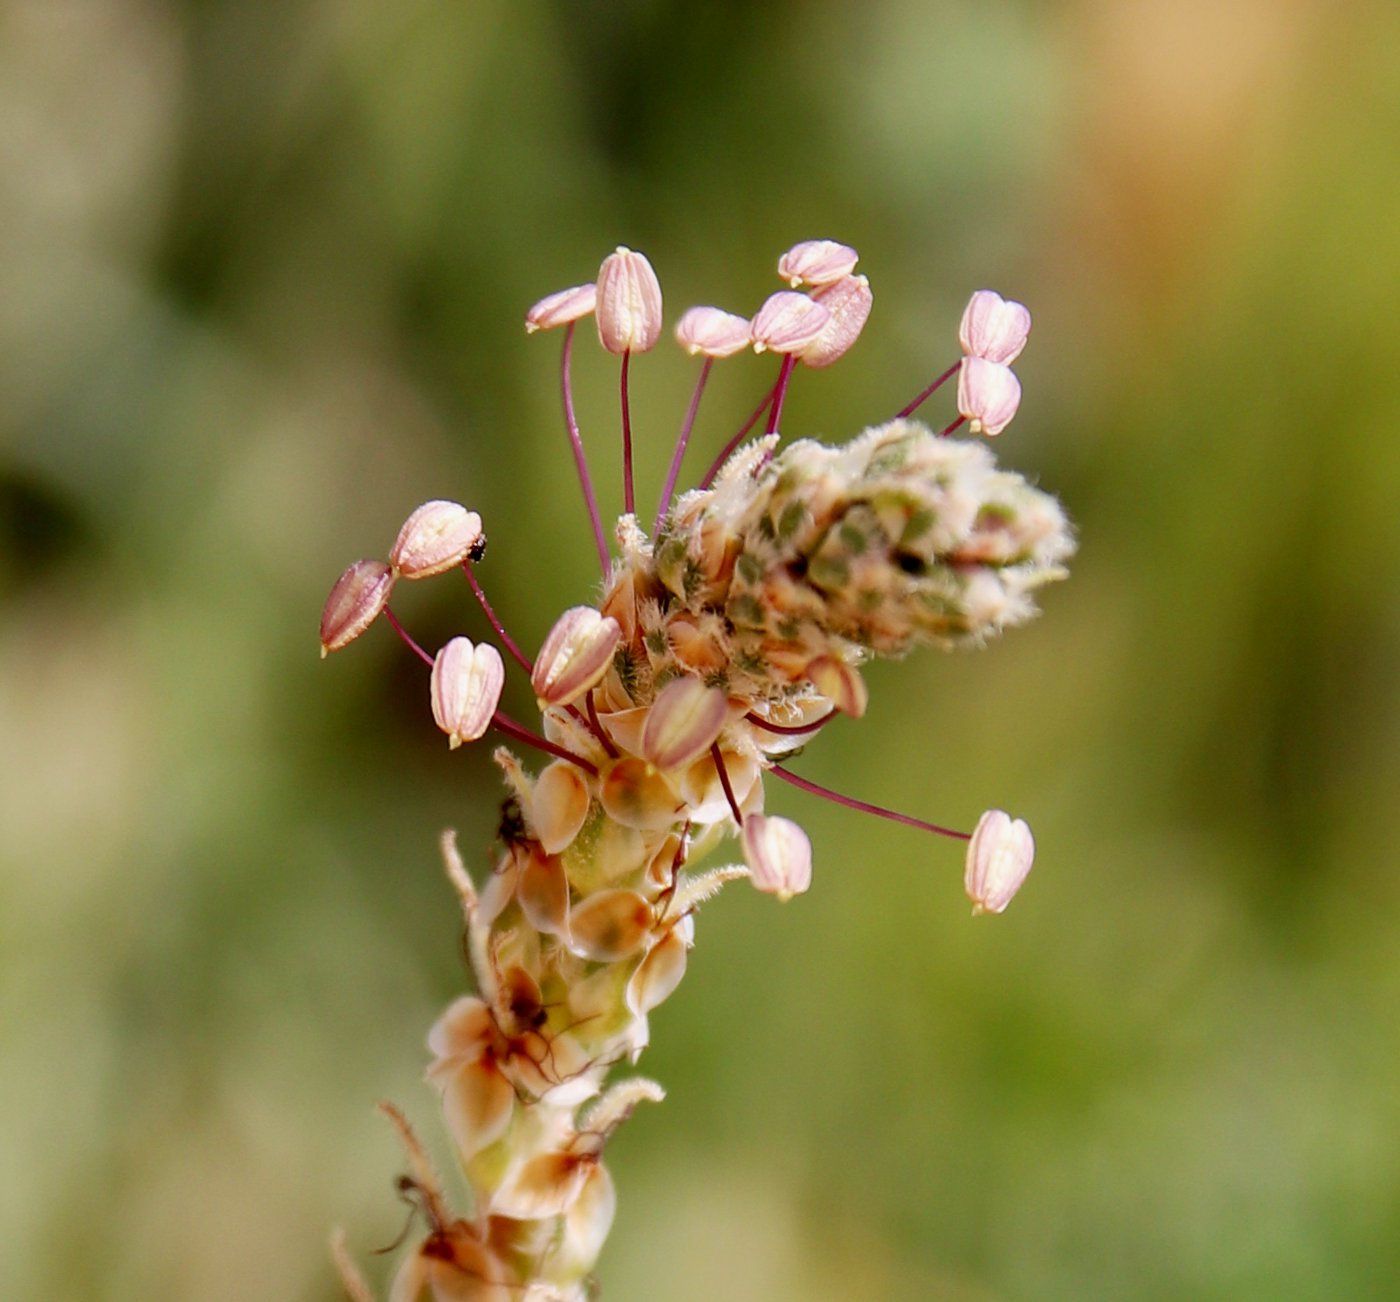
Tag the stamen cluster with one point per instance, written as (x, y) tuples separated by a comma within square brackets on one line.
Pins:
[(722, 641)]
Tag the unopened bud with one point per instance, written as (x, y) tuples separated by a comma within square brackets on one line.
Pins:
[(778, 854), (994, 327), (999, 856), (712, 332), (561, 308), (435, 538), (684, 722), (355, 602), (816, 262), (629, 303), (466, 688), (848, 300), (787, 322), (840, 683), (988, 395), (575, 656)]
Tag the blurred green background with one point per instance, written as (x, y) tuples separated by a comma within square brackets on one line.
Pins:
[(262, 273)]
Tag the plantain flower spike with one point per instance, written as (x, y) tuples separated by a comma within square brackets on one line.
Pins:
[(719, 646)]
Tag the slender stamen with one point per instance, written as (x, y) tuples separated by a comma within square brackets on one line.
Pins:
[(787, 730), (516, 654), (953, 426), (597, 726), (780, 392), (724, 782), (851, 802), (509, 726), (406, 639), (576, 442), (737, 439), (927, 393), (627, 501), (674, 473)]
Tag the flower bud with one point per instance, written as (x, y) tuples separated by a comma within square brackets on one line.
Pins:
[(435, 538), (988, 395), (575, 656), (994, 327), (787, 322), (684, 721), (466, 687), (713, 333), (840, 683), (561, 308), (354, 603), (778, 854), (629, 303), (848, 300), (999, 856), (817, 262), (658, 974)]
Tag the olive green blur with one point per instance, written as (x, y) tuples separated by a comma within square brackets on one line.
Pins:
[(263, 273)]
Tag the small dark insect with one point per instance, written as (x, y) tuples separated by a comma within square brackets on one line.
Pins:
[(511, 828), (477, 550)]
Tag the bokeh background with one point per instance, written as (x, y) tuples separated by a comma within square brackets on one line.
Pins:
[(262, 273)]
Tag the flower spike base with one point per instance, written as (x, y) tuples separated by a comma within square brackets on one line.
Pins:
[(719, 646)]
